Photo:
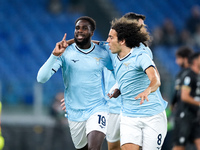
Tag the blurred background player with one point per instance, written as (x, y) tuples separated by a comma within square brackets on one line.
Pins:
[(187, 118), (59, 132), (1, 137), (182, 55)]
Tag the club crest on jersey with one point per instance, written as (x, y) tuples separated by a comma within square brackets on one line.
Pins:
[(127, 65), (97, 60)]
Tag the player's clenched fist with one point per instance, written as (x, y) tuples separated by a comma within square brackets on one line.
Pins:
[(60, 46)]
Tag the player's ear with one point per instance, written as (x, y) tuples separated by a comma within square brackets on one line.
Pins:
[(92, 33), (123, 42)]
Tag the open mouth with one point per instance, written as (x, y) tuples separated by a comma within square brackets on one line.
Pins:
[(79, 37)]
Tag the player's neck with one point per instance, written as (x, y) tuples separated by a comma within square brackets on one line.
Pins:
[(124, 52), (85, 46), (195, 69)]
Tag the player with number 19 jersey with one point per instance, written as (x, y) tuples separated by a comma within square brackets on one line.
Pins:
[(82, 75)]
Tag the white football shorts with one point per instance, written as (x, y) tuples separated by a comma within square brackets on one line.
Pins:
[(148, 132), (113, 128), (80, 130)]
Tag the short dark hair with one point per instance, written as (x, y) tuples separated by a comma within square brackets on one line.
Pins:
[(132, 15), (184, 52), (130, 31), (89, 19), (193, 57)]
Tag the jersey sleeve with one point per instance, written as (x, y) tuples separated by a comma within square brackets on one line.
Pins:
[(104, 45), (149, 53), (48, 69), (188, 81), (109, 64), (144, 61), (147, 50)]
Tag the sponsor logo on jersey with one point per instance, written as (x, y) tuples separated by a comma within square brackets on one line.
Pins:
[(187, 80), (74, 60)]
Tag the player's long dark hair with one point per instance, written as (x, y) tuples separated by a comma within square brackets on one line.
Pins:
[(130, 31)]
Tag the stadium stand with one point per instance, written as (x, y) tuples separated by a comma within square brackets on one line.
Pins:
[(29, 31), (28, 34)]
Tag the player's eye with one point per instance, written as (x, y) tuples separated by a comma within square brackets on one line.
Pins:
[(85, 28), (77, 27)]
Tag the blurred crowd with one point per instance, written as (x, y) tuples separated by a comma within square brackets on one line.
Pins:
[(166, 34), (169, 35)]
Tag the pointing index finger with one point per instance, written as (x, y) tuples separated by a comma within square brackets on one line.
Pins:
[(64, 37)]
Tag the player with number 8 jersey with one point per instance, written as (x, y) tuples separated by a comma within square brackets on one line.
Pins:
[(143, 118)]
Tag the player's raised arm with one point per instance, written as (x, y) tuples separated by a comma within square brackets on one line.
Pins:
[(48, 69), (60, 46)]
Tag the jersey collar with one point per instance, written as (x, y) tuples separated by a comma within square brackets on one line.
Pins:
[(86, 51), (120, 59)]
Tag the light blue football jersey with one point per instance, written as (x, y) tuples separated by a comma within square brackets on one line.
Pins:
[(114, 104), (82, 75), (132, 80)]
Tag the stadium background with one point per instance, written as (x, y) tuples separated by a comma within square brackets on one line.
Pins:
[(29, 30)]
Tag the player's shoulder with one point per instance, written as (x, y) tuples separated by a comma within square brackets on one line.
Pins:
[(139, 51), (189, 76), (192, 74), (104, 45), (71, 47), (184, 72), (187, 72), (144, 48), (99, 47), (101, 50)]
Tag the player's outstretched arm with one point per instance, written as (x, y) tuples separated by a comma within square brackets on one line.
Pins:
[(153, 86), (96, 42), (70, 41)]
